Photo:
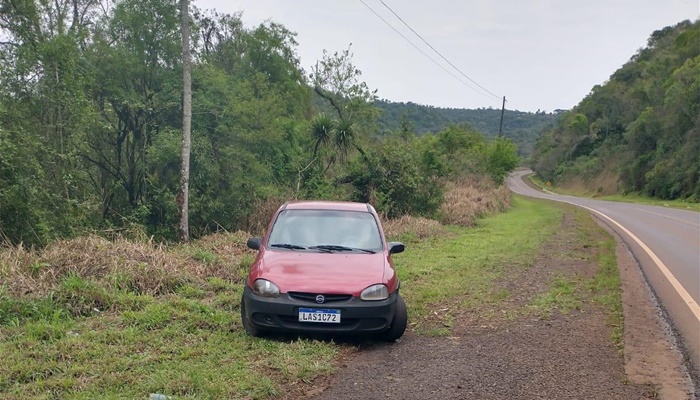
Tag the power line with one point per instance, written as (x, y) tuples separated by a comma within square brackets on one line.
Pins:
[(438, 53), (421, 50)]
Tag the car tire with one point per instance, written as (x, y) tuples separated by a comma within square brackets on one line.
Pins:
[(248, 326), (398, 324)]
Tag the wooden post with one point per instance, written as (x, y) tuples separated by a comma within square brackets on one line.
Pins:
[(500, 130), (183, 195)]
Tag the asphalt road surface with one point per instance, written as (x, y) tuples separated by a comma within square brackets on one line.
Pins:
[(665, 242)]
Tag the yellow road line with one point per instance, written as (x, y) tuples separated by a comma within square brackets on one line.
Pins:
[(694, 308), (685, 296)]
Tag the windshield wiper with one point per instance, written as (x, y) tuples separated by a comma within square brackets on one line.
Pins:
[(288, 246), (333, 247)]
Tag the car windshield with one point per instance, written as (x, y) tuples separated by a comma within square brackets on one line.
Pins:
[(331, 230)]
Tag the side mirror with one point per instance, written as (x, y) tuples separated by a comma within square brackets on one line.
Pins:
[(396, 247), (254, 243)]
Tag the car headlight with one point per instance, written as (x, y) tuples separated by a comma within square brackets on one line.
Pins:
[(265, 288), (375, 292)]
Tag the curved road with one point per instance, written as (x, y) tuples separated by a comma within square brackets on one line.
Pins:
[(665, 241)]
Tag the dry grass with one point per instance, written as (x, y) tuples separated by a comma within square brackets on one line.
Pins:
[(470, 199), (145, 267), (264, 210), (228, 248), (414, 227), (141, 266), (465, 202), (604, 184)]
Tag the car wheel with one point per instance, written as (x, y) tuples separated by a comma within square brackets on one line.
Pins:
[(248, 326), (398, 324)]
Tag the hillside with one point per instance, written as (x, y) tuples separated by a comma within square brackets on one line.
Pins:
[(639, 131), (524, 128)]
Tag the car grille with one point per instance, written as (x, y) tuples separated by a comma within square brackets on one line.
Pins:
[(311, 297)]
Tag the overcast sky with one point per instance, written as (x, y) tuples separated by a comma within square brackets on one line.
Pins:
[(540, 54)]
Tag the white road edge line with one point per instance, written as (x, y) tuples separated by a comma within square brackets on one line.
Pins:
[(694, 308)]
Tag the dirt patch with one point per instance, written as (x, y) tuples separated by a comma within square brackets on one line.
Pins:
[(564, 255), (530, 361), (506, 351)]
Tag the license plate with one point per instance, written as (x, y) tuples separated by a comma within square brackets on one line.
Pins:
[(319, 315)]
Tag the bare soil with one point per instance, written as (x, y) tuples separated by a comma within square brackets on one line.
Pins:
[(505, 352)]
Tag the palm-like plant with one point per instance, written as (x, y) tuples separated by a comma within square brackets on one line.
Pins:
[(322, 127), (344, 137)]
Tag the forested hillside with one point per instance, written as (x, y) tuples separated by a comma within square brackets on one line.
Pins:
[(640, 130), (524, 128), (91, 126)]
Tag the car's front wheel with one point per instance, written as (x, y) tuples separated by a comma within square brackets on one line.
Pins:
[(398, 324), (248, 326)]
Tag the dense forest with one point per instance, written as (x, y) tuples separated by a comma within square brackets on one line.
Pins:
[(524, 128), (91, 125), (640, 130)]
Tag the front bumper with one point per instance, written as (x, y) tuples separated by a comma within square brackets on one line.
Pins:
[(282, 314)]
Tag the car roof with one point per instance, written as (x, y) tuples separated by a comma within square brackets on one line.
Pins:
[(327, 205)]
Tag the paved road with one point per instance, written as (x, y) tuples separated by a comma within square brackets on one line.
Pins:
[(666, 243)]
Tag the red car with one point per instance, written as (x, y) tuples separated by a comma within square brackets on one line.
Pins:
[(324, 267)]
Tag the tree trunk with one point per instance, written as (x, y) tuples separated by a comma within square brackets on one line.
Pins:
[(183, 196)]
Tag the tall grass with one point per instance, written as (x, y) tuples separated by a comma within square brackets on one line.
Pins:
[(470, 199), (90, 271)]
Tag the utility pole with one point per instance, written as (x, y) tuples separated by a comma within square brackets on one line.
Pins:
[(183, 195), (503, 108)]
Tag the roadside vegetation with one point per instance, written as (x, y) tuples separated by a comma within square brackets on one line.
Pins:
[(91, 317), (463, 265), (580, 191)]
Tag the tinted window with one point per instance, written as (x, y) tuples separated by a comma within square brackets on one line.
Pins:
[(326, 227)]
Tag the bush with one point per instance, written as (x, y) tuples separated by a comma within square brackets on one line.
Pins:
[(391, 179)]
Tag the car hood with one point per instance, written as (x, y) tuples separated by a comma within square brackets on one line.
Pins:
[(347, 273)]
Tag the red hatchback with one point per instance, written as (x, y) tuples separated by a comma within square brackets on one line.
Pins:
[(324, 267)]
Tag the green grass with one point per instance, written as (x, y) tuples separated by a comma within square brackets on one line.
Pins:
[(628, 198), (567, 293), (175, 348), (563, 295), (188, 345), (605, 287), (463, 265)]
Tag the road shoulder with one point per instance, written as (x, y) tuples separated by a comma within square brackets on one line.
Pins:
[(550, 338), (652, 354)]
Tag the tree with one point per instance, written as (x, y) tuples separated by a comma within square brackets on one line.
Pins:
[(183, 196), (136, 54), (336, 80), (45, 102), (501, 158)]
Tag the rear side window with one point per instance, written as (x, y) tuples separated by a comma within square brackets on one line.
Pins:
[(326, 227)]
